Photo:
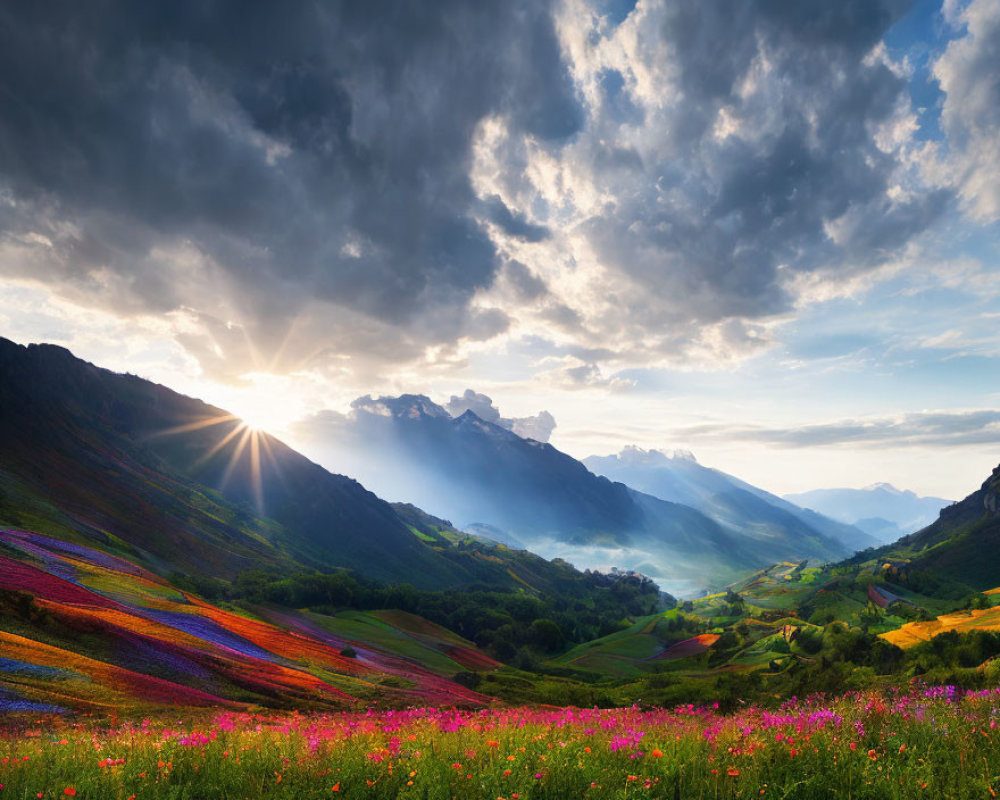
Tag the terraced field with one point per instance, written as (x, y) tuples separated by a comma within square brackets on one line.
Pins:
[(962, 621)]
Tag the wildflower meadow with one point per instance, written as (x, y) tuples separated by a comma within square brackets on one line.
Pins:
[(936, 742)]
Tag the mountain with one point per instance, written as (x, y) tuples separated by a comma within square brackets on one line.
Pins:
[(731, 502), (124, 464), (869, 508), (961, 543), (478, 473)]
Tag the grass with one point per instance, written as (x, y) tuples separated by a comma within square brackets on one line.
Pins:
[(933, 743), (368, 627)]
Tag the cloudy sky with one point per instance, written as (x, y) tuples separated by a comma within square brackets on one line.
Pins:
[(765, 231)]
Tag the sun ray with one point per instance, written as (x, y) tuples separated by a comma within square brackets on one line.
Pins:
[(198, 425), (243, 438), (265, 440), (255, 474), (279, 352), (220, 444), (237, 452)]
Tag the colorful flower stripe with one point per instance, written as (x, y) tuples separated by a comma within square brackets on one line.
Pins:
[(19, 576), (208, 650), (121, 682)]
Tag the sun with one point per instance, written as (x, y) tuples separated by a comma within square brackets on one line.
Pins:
[(264, 412), (263, 420)]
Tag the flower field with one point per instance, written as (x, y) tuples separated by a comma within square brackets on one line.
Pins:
[(152, 644), (934, 742)]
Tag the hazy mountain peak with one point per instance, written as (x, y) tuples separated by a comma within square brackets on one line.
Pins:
[(471, 418), (888, 488), (538, 427), (904, 509), (632, 455)]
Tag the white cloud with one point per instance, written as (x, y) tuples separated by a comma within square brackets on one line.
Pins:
[(970, 79)]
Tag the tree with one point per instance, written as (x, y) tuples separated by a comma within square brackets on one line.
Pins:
[(546, 635)]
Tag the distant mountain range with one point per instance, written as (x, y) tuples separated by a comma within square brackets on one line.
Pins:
[(881, 510), (477, 473), (733, 503)]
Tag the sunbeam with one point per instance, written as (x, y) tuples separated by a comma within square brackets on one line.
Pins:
[(246, 440)]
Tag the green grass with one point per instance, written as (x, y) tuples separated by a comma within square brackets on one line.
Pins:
[(368, 627)]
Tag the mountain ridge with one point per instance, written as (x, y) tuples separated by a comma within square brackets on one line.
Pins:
[(473, 471), (907, 511)]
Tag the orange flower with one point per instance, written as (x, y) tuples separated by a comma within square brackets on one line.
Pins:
[(654, 754), (902, 747), (335, 787), (873, 755), (733, 772)]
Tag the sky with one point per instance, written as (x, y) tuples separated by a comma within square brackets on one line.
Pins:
[(765, 232)]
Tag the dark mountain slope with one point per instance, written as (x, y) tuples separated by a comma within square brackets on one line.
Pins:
[(115, 459), (964, 542), (961, 545)]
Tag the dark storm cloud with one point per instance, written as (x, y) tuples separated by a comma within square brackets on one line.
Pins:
[(941, 429), (304, 179), (514, 224), (304, 151)]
